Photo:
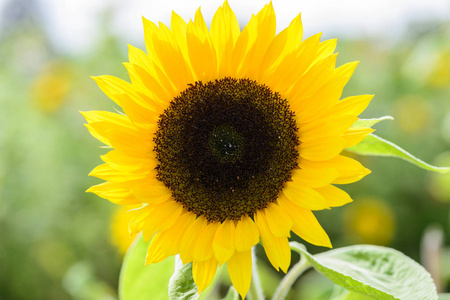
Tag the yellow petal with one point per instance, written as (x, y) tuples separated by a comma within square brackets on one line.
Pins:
[(152, 192), (111, 86), (311, 99), (116, 192), (352, 105), (305, 224), (314, 177), (349, 169), (150, 29), (138, 57), (168, 55), (224, 241), (123, 138), (273, 54), (137, 217), (103, 117), (124, 94), (346, 71), (203, 273), (292, 67), (258, 34), (283, 44), (158, 97), (355, 135), (224, 33), (329, 126), (277, 248), (304, 196), (247, 234), (312, 104), (129, 164), (326, 48), (239, 51), (334, 196), (171, 238), (321, 148), (94, 116), (106, 172), (314, 79), (203, 247), (295, 34), (190, 237), (278, 221), (155, 253), (162, 217), (240, 270), (143, 118), (97, 135), (114, 119), (201, 49), (178, 27)]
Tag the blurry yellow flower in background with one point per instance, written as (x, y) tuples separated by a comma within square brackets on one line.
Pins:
[(440, 75), (228, 138), (51, 86), (369, 221), (120, 236)]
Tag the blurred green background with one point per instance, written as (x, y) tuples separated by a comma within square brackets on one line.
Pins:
[(57, 242)]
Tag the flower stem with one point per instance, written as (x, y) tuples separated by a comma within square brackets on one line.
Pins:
[(288, 280), (255, 292)]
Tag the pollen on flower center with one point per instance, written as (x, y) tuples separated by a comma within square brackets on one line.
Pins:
[(226, 147)]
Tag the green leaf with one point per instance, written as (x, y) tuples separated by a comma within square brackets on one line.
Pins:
[(140, 282), (340, 293), (232, 294), (444, 296), (182, 285), (376, 146), (379, 272), (370, 122)]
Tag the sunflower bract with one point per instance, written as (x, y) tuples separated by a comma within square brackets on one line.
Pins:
[(228, 138)]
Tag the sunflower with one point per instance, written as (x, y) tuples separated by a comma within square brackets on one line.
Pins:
[(228, 138)]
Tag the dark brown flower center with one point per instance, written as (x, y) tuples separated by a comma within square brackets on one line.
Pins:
[(226, 147)]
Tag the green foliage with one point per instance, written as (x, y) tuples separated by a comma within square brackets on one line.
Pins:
[(376, 146), (182, 285), (340, 293), (370, 122), (374, 271), (140, 282), (231, 294)]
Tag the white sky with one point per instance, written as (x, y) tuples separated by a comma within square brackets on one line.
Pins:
[(73, 24)]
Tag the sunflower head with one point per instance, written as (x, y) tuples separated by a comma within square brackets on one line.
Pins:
[(228, 138), (226, 148)]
